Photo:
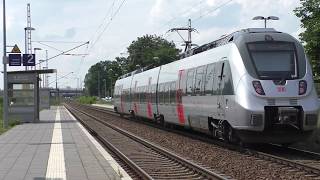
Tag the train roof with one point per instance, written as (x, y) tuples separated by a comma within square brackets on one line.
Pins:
[(223, 40)]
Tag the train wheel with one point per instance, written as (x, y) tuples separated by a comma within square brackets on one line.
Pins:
[(229, 134), (161, 120)]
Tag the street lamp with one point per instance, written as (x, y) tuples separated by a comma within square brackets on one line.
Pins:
[(5, 80), (265, 19), (105, 87), (34, 50)]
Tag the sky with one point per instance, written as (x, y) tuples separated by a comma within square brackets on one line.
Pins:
[(111, 25)]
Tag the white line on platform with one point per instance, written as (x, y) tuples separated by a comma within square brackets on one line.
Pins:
[(117, 168), (56, 166)]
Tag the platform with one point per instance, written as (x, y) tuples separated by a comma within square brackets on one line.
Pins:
[(108, 106), (56, 148)]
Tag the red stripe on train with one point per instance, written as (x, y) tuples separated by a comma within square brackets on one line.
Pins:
[(180, 108), (149, 110)]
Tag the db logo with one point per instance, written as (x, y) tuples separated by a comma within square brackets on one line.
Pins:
[(281, 89)]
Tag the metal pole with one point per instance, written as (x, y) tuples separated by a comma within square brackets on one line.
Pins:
[(99, 84), (105, 88), (47, 82), (110, 87), (265, 22), (25, 44), (5, 80), (56, 80)]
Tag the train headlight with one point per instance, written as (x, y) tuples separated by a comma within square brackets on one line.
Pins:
[(302, 87), (258, 87)]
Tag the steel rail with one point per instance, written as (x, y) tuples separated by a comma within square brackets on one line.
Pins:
[(249, 151), (116, 151), (181, 160)]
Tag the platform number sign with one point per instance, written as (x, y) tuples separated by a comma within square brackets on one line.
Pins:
[(29, 59)]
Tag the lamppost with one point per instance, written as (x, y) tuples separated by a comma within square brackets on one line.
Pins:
[(105, 87), (5, 80), (26, 40), (265, 19), (34, 50)]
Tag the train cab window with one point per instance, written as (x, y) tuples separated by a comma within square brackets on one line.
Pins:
[(173, 92), (189, 84), (209, 79), (198, 80)]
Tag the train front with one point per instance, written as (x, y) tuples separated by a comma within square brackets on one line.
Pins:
[(277, 96)]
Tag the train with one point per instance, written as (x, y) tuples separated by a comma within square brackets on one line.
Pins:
[(253, 86)]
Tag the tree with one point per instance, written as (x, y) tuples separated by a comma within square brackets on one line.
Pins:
[(309, 13), (150, 51), (101, 78)]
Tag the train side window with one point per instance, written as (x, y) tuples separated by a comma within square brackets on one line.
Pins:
[(145, 94), (228, 83), (138, 94), (153, 94), (208, 84), (160, 94), (217, 78), (198, 80), (168, 93), (142, 94), (173, 93), (189, 84), (165, 93)]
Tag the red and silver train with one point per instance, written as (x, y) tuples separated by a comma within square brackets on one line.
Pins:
[(254, 85)]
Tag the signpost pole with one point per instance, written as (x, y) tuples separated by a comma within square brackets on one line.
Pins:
[(5, 80)]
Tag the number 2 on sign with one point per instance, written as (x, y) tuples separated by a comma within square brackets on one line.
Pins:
[(30, 59)]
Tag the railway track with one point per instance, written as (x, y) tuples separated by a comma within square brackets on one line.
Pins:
[(147, 160), (295, 160)]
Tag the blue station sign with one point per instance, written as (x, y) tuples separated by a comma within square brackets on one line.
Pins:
[(14, 59), (29, 59)]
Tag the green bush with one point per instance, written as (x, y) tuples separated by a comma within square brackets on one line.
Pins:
[(13, 123), (87, 99)]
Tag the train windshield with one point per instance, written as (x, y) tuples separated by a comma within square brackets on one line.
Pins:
[(274, 60)]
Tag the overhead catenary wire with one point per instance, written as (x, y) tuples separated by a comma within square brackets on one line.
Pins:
[(49, 46), (64, 52), (195, 5), (106, 27), (109, 11), (213, 10)]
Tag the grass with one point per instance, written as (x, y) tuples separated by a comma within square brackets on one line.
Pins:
[(100, 101), (11, 123), (87, 99)]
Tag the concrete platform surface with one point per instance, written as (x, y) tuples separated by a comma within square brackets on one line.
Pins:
[(56, 148), (109, 106)]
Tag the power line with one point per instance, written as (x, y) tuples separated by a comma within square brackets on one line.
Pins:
[(103, 20), (49, 46), (64, 52), (105, 28), (63, 42), (213, 10)]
